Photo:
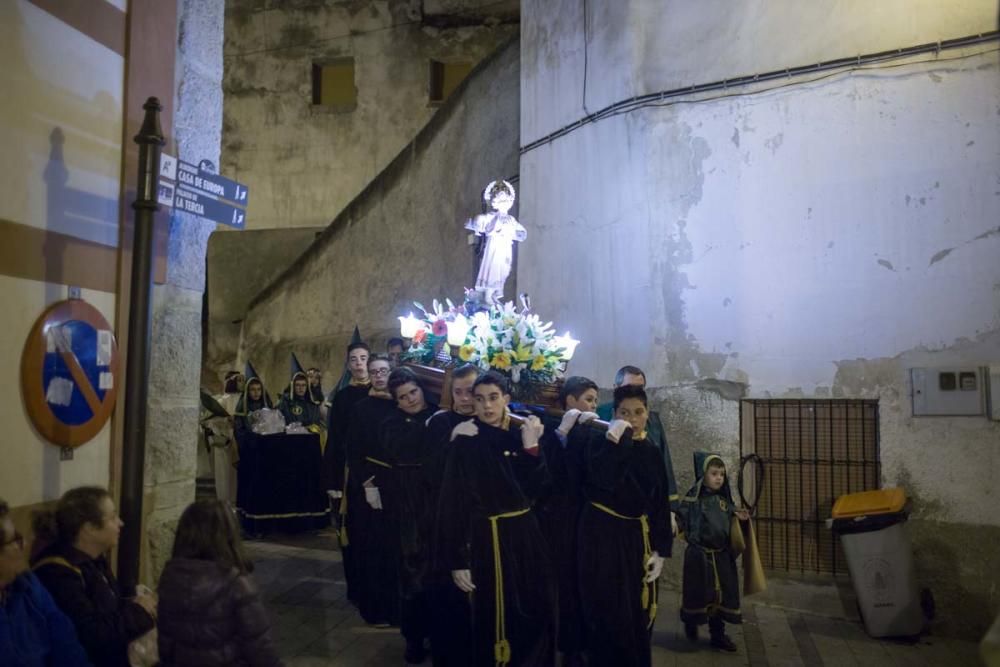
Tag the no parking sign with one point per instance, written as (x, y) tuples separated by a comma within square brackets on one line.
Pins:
[(69, 373)]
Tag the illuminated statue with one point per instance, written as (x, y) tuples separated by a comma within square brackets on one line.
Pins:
[(500, 231)]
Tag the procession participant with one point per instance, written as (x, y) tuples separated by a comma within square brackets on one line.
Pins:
[(633, 375), (219, 437), (297, 404), (488, 535), (559, 510), (253, 398), (341, 405), (364, 561), (624, 536), (315, 376), (711, 588), (394, 350), (72, 564), (398, 489), (451, 614)]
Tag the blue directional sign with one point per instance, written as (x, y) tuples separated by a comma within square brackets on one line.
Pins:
[(212, 184), (207, 206)]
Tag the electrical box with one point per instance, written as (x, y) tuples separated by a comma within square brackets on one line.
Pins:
[(949, 391), (993, 392)]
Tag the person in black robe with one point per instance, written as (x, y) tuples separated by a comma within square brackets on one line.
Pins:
[(655, 432), (362, 534), (396, 484), (624, 536), (559, 509), (297, 405), (711, 589), (488, 535), (338, 418), (451, 613)]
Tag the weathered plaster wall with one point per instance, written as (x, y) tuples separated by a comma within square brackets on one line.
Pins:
[(817, 240), (175, 358), (305, 163), (238, 267), (400, 240)]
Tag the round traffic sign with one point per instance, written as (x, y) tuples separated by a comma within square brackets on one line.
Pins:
[(69, 373)]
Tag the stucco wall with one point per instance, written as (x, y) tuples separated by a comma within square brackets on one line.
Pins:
[(304, 163), (817, 240), (238, 267), (401, 240)]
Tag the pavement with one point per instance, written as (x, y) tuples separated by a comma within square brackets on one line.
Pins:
[(799, 621)]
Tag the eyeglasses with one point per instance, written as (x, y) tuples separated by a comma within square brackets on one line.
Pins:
[(379, 371), (18, 539)]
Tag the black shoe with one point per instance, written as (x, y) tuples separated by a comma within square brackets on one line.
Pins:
[(723, 643), (691, 631), (415, 653)]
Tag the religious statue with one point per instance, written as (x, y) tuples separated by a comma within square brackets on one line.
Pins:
[(500, 231)]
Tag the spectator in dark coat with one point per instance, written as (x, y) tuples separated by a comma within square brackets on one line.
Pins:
[(72, 566), (210, 613), (33, 632)]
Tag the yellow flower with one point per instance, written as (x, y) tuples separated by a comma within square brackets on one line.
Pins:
[(523, 353), (538, 363), (466, 351), (501, 360)]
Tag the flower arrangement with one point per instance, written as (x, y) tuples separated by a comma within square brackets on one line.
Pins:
[(501, 338)]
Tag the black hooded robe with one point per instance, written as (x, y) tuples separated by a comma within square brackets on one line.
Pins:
[(711, 590), (356, 517), (486, 524), (405, 492), (625, 517)]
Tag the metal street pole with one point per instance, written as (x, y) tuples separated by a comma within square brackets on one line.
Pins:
[(150, 140)]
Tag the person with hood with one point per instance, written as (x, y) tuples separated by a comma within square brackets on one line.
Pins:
[(253, 398), (624, 535), (342, 402), (396, 487), (73, 540), (711, 588), (297, 404), (210, 612), (365, 562), (33, 632)]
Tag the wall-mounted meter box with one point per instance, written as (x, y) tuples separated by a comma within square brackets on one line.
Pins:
[(949, 391)]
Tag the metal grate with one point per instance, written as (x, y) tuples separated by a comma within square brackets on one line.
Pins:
[(813, 452)]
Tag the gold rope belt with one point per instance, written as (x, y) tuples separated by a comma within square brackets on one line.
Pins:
[(377, 462), (344, 542), (501, 647), (650, 595)]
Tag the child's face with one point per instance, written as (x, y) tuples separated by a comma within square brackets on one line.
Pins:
[(634, 412), (714, 477)]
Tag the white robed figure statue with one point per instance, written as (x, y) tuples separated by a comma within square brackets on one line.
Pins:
[(500, 230)]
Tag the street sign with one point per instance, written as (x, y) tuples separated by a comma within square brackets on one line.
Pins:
[(189, 188), (209, 207), (69, 373)]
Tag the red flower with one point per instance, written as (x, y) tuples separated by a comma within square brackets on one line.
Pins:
[(439, 328), (420, 336)]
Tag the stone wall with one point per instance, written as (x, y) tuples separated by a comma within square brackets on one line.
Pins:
[(400, 240), (303, 162), (175, 358), (239, 265), (814, 237)]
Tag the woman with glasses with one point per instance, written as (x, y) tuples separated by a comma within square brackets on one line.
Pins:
[(33, 632), (73, 566)]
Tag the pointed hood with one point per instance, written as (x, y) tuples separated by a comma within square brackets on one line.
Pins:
[(243, 407), (345, 378), (295, 371)]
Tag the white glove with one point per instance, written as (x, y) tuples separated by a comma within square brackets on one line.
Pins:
[(654, 567), (468, 428), (673, 523), (587, 417), (335, 494), (617, 429), (373, 497), (531, 431), (463, 579), (568, 421)]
